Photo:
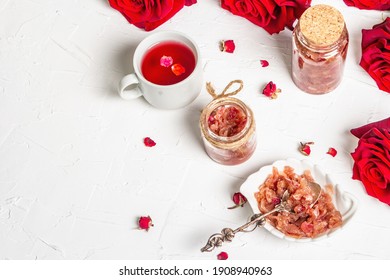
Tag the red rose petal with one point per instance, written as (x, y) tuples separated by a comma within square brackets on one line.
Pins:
[(227, 46), (382, 124), (264, 63), (332, 152), (145, 222), (178, 69), (222, 256), (149, 142)]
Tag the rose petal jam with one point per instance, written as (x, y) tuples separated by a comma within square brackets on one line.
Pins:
[(183, 60), (305, 220), (228, 130), (320, 45)]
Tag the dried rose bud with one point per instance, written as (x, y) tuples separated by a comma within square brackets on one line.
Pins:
[(271, 91), (305, 148), (222, 256), (145, 223), (239, 200), (178, 69), (227, 46), (166, 61), (149, 142), (332, 152), (264, 63), (276, 200)]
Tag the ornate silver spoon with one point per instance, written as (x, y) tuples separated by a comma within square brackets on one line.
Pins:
[(257, 220)]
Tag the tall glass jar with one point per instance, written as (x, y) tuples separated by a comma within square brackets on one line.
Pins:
[(228, 130), (320, 45)]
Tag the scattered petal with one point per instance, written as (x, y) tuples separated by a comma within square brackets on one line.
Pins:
[(178, 69), (145, 222), (305, 148), (227, 46), (239, 200), (222, 256), (332, 152), (271, 91), (166, 61), (264, 63), (149, 142)]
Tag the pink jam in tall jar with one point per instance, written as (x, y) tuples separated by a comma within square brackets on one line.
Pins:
[(320, 45), (228, 131)]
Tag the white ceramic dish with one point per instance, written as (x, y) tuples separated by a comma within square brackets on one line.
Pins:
[(343, 201)]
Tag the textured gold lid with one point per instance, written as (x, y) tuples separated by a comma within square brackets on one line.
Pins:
[(321, 25)]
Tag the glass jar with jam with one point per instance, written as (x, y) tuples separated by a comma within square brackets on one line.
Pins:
[(228, 130), (320, 45)]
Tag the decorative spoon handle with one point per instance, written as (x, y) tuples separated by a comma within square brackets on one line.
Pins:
[(227, 234)]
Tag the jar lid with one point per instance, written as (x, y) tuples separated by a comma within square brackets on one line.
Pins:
[(321, 25)]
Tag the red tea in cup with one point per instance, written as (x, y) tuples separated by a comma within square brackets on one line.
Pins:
[(168, 63)]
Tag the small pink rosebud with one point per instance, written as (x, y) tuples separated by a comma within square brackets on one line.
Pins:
[(222, 256), (305, 148), (264, 63), (149, 142), (271, 91), (145, 222), (166, 61), (227, 46), (239, 200), (332, 152)]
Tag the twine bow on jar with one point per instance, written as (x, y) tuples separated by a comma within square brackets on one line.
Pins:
[(211, 90)]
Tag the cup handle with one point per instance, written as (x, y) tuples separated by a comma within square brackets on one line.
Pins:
[(128, 87)]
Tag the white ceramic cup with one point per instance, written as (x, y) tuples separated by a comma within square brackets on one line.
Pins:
[(163, 96)]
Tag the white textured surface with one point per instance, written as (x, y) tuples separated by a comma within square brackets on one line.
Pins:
[(75, 175)]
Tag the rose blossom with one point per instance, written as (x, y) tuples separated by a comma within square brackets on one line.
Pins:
[(372, 159), (376, 53), (272, 15), (149, 14), (369, 4)]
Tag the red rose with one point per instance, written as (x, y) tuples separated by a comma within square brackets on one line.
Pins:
[(272, 15), (372, 160), (376, 53), (149, 14), (369, 4)]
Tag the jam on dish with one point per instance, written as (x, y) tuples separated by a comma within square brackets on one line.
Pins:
[(304, 220)]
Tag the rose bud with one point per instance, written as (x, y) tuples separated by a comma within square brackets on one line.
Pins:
[(149, 142), (271, 91), (227, 46), (332, 152), (239, 200), (264, 63), (222, 256), (178, 69), (305, 148), (145, 223)]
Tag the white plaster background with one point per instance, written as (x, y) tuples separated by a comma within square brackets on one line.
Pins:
[(75, 175)]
